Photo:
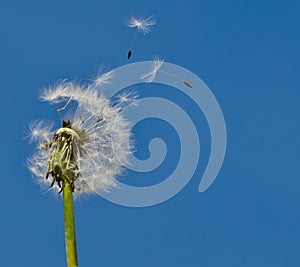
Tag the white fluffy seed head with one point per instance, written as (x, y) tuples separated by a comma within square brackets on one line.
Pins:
[(103, 138)]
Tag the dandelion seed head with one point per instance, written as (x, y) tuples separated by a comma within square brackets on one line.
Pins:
[(142, 25), (98, 141)]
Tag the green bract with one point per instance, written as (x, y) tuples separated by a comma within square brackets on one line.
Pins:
[(62, 165)]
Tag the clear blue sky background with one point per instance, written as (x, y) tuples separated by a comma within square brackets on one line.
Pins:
[(248, 54)]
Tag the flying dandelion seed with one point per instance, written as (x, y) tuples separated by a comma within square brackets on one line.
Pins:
[(156, 67), (129, 54), (142, 25), (82, 153)]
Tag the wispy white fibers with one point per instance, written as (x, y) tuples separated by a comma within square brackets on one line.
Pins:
[(99, 138), (104, 78), (142, 25), (156, 65)]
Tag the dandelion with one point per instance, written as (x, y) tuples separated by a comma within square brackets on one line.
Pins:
[(156, 67), (86, 154), (142, 25)]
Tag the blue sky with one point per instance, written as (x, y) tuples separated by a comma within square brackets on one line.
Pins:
[(245, 51)]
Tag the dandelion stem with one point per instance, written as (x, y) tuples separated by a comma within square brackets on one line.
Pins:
[(69, 226)]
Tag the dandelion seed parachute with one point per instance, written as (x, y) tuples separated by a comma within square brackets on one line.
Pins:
[(94, 145), (39, 130), (157, 63), (142, 25)]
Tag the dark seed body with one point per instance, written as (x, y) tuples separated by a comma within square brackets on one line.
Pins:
[(129, 54)]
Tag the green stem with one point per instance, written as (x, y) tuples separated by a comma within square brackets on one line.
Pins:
[(69, 226)]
